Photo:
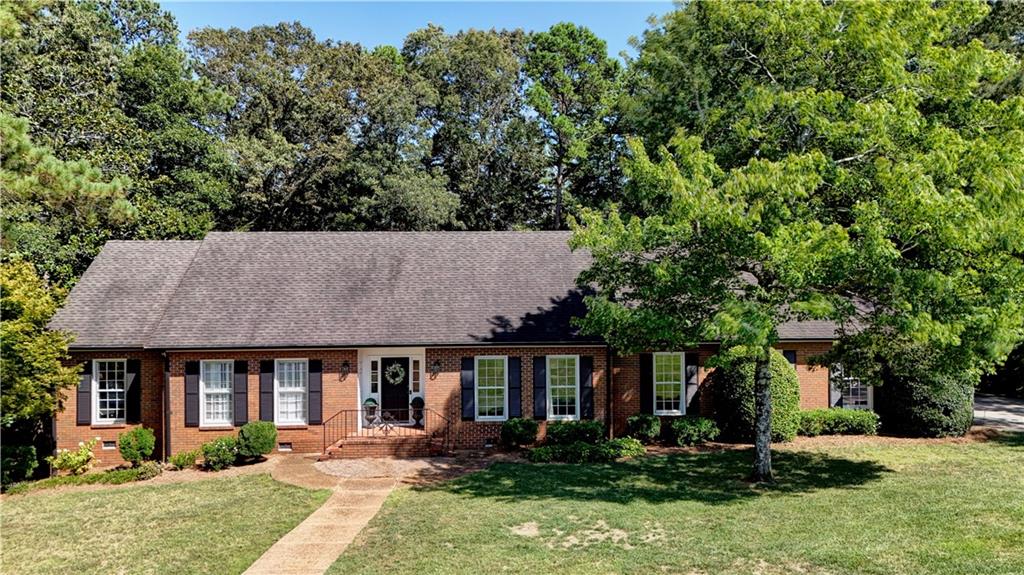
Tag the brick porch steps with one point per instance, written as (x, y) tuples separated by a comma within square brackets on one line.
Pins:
[(403, 446)]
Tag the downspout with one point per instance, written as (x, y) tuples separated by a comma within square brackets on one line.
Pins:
[(167, 407), (609, 369)]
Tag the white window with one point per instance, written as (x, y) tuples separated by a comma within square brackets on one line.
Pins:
[(290, 383), (374, 377), (563, 386), (491, 388), (669, 384), (109, 386), (215, 392), (855, 395)]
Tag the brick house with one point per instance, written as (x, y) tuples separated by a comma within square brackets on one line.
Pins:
[(362, 343)]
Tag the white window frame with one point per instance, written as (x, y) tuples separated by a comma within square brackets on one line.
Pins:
[(96, 419), (203, 422), (476, 389), (845, 382), (277, 393), (547, 374), (682, 383)]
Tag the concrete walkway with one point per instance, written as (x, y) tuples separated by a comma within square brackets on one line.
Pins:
[(314, 544), (999, 412)]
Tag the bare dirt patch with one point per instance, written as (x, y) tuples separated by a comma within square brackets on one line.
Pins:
[(528, 529)]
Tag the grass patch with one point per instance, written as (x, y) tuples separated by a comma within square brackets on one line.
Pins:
[(877, 507), (213, 526)]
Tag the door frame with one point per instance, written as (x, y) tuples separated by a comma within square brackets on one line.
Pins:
[(417, 358)]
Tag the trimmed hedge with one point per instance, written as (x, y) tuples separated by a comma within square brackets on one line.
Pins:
[(220, 453), (582, 452), (569, 432), (692, 430), (733, 399), (519, 431), (838, 422), (926, 403), (136, 445), (256, 439), (645, 427)]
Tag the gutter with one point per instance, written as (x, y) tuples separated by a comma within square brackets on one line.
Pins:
[(609, 369)]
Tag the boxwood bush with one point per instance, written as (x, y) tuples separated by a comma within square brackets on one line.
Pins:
[(569, 432), (692, 430), (184, 459), (838, 422), (733, 399), (621, 447), (926, 403), (136, 445), (220, 453), (645, 427), (256, 439), (519, 431), (583, 452)]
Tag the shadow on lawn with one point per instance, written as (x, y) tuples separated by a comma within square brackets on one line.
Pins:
[(713, 478)]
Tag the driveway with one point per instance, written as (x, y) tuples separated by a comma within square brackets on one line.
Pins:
[(1000, 412)]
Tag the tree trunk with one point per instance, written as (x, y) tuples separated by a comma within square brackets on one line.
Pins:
[(762, 420), (559, 184)]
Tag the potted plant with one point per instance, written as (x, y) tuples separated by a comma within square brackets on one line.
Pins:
[(417, 404), (370, 410)]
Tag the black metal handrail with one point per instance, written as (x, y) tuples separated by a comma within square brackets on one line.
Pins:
[(376, 422)]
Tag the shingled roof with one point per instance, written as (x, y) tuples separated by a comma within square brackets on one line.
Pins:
[(343, 289)]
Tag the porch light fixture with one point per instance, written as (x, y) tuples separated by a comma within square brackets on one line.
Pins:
[(346, 368), (435, 368)]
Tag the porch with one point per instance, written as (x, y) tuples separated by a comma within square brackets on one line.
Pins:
[(374, 432)]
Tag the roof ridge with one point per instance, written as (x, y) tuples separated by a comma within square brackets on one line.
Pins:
[(167, 302)]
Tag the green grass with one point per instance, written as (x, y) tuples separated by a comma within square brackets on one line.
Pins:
[(872, 507), (212, 526), (109, 477)]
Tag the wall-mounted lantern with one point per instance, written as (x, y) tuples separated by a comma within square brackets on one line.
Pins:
[(435, 368), (346, 369)]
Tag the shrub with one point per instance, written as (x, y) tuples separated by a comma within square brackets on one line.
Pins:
[(838, 422), (17, 462), (644, 427), (136, 445), (926, 403), (692, 430), (147, 470), (74, 462), (220, 453), (185, 459), (518, 431), (620, 447), (542, 454), (570, 432), (733, 399), (577, 452), (257, 438)]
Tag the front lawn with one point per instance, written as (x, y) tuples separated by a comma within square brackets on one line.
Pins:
[(865, 506), (211, 526)]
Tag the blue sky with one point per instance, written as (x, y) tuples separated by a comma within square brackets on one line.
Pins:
[(375, 23)]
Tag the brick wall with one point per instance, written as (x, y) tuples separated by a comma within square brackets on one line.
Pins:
[(814, 384), (338, 394), (69, 433), (443, 392)]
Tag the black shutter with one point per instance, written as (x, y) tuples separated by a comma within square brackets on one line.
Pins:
[(515, 387), (540, 387), (468, 391), (586, 387), (790, 355), (691, 378), (191, 394), (83, 397), (240, 385), (647, 383), (267, 390), (133, 393), (316, 392)]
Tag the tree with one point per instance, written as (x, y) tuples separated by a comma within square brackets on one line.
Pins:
[(573, 85), (57, 214), (32, 370), (829, 161)]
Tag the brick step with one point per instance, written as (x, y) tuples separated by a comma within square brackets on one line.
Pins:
[(355, 447)]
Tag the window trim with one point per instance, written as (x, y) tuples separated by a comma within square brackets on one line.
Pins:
[(547, 387), (203, 422), (277, 393), (476, 389), (682, 383), (95, 399)]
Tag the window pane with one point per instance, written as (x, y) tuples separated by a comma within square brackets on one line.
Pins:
[(291, 391), (374, 376), (110, 390), (490, 387), (415, 376), (216, 380), (562, 386), (668, 382)]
